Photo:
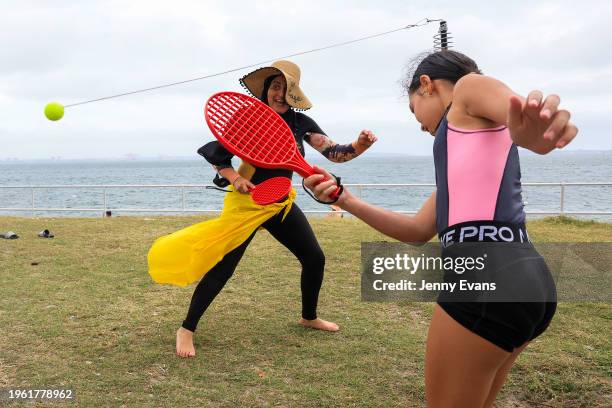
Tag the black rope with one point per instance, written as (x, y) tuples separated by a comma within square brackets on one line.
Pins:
[(419, 23), (217, 188)]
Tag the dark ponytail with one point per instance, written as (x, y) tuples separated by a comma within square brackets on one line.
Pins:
[(445, 64)]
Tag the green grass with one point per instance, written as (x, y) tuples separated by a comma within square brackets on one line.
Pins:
[(87, 316)]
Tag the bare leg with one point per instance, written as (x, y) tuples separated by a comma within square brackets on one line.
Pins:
[(502, 374), (460, 366)]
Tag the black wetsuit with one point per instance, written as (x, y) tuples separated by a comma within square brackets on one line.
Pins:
[(294, 232)]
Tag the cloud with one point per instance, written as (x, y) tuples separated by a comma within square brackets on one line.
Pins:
[(76, 51)]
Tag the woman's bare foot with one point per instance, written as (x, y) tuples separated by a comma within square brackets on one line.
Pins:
[(184, 343), (320, 324)]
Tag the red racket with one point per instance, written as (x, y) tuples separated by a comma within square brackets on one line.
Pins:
[(271, 190), (267, 192), (251, 130)]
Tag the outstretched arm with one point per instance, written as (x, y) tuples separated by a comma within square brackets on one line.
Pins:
[(340, 153), (415, 230), (535, 123)]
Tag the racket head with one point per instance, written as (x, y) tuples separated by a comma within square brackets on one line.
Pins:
[(271, 190), (251, 130)]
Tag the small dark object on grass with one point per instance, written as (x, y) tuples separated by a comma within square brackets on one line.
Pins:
[(45, 234)]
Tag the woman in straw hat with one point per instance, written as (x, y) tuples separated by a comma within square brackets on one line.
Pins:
[(224, 240)]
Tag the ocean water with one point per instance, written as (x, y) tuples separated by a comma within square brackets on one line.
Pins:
[(559, 167)]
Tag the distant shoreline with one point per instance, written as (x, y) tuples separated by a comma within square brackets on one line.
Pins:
[(369, 156)]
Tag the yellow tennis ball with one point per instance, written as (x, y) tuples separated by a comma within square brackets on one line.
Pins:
[(54, 111)]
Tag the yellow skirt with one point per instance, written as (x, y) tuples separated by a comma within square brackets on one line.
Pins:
[(185, 256)]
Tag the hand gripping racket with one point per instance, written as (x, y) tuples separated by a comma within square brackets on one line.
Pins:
[(267, 192), (253, 131)]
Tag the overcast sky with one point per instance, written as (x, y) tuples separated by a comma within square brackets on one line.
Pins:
[(71, 51)]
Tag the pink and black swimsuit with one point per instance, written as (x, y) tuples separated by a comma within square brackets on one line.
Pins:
[(478, 179), (480, 212)]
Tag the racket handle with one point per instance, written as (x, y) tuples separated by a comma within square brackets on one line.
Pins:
[(334, 195)]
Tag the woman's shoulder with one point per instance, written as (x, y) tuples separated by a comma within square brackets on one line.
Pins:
[(307, 124), (476, 98), (474, 83), (303, 118)]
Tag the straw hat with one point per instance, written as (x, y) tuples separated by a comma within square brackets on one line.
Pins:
[(295, 97)]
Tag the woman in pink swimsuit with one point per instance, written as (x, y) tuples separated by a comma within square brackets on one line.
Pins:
[(477, 122)]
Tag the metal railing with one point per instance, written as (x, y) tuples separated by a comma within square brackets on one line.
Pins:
[(183, 209)]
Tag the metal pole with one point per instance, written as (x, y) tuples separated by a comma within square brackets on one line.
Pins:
[(183, 193), (104, 211), (443, 35), (562, 198)]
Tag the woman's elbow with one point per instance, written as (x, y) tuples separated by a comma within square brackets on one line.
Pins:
[(417, 242), (419, 237)]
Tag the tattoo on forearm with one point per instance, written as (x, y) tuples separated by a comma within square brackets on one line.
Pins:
[(340, 153), (333, 151)]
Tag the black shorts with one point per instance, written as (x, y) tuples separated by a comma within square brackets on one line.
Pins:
[(507, 325), (521, 307)]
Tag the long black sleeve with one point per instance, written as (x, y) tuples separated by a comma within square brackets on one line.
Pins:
[(216, 154)]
